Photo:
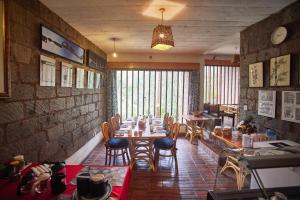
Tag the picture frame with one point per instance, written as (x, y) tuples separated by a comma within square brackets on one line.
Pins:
[(57, 44), (47, 71), (267, 103), (90, 84), (280, 71), (256, 75), (95, 61), (290, 106), (5, 84), (80, 77), (66, 74), (98, 81)]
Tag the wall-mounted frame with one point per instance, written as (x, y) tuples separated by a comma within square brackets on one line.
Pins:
[(280, 71), (267, 103), (66, 74), (95, 61), (80, 78), (256, 75), (47, 71), (290, 106), (4, 41), (58, 45), (90, 83)]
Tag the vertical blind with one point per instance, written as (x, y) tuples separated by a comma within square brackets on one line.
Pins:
[(155, 92), (221, 84)]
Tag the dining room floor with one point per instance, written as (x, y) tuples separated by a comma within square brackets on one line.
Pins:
[(196, 174)]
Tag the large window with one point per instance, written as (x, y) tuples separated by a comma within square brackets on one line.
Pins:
[(145, 92), (221, 85)]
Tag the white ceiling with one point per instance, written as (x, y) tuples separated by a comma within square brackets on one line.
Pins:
[(201, 27)]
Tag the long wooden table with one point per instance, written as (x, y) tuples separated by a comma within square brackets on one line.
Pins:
[(141, 144)]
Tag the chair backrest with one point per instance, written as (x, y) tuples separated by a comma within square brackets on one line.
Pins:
[(175, 131), (114, 124), (118, 116), (166, 119), (105, 131), (170, 123)]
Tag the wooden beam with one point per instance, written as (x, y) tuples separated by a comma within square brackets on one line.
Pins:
[(153, 65), (221, 63)]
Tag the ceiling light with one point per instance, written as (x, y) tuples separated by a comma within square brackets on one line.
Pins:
[(115, 53), (162, 38)]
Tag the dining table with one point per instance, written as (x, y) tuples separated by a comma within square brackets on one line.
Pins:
[(141, 139)]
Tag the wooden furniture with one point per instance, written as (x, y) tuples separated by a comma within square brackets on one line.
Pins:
[(113, 146), (114, 124), (193, 130), (240, 172), (167, 144), (141, 141), (233, 142), (228, 111)]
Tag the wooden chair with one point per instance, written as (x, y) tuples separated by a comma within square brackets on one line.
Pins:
[(113, 146), (114, 124), (118, 117), (193, 131), (167, 144), (169, 126), (240, 172)]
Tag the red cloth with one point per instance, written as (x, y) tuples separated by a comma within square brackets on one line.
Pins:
[(8, 189)]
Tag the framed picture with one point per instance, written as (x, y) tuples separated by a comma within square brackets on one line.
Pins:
[(66, 74), (80, 78), (98, 80), (90, 84), (256, 75), (4, 50), (267, 103), (47, 71), (95, 61), (57, 44), (280, 71), (291, 106)]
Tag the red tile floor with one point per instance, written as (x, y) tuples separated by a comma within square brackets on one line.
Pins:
[(196, 174)]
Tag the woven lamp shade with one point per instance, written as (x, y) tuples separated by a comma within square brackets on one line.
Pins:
[(165, 42)]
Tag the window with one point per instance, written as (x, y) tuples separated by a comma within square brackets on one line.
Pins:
[(221, 85), (145, 92)]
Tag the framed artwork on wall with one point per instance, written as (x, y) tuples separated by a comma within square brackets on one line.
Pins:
[(95, 61), (90, 84), (291, 106), (4, 67), (98, 80), (57, 44), (66, 74), (280, 71), (47, 71), (256, 75), (267, 103), (80, 78)]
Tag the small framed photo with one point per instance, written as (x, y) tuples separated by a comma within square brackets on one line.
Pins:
[(90, 84), (256, 75), (280, 71), (47, 71), (80, 78), (66, 74)]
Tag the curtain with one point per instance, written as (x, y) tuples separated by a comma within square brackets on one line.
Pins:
[(112, 102), (194, 91)]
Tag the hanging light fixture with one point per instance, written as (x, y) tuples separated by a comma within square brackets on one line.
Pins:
[(115, 53), (162, 38)]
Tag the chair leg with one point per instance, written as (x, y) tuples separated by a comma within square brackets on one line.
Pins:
[(123, 156), (175, 157), (109, 157), (126, 152), (106, 156), (115, 156)]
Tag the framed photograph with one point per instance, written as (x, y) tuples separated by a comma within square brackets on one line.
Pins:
[(256, 75), (280, 71), (267, 103), (95, 61), (47, 71), (98, 80), (90, 84), (80, 78), (57, 44), (66, 74), (291, 106), (4, 50)]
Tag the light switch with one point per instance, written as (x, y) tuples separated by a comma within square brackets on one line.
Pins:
[(245, 107)]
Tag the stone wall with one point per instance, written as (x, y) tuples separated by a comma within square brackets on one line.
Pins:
[(256, 47), (44, 122)]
